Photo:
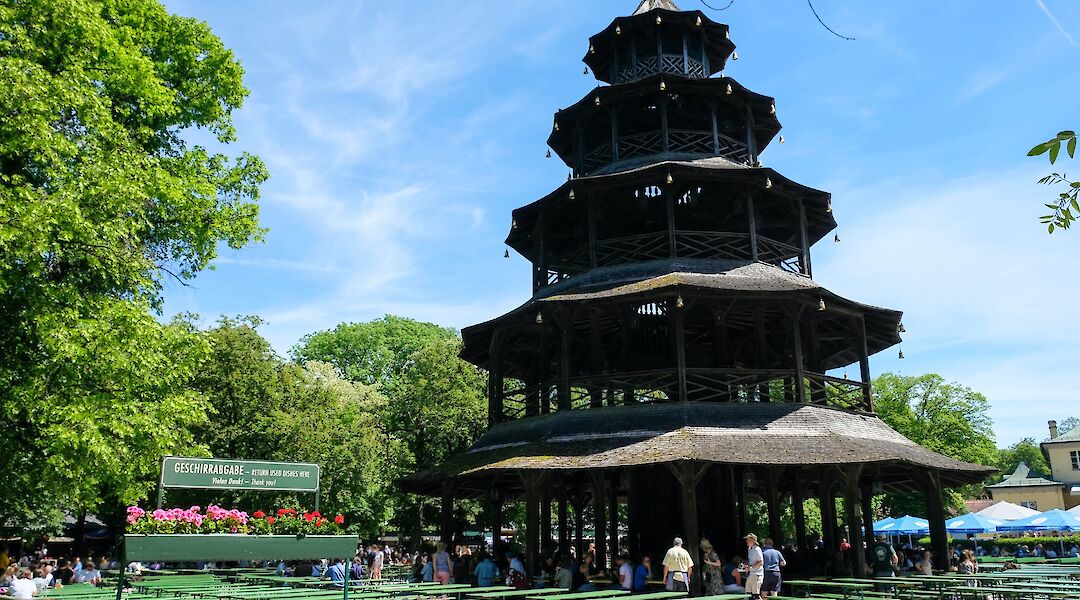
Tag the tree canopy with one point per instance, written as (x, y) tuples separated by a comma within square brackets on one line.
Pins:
[(1025, 451), (101, 198)]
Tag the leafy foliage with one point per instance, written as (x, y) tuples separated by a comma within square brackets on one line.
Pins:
[(947, 418), (1025, 451), (101, 197), (1069, 424), (1067, 208)]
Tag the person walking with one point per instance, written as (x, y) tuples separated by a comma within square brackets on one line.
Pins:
[(679, 565), (755, 569), (442, 564), (712, 568), (772, 561)]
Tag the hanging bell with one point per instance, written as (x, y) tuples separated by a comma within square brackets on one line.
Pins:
[(901, 355), (586, 71), (901, 328), (836, 238), (768, 183), (821, 305), (728, 90), (572, 196), (548, 154), (513, 224), (670, 179), (663, 86), (539, 318), (618, 30), (506, 253), (772, 109), (734, 56), (556, 125), (781, 139), (828, 206), (592, 49), (597, 101), (679, 302), (698, 22), (659, 20)]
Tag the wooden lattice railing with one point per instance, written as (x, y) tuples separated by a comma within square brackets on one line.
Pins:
[(668, 63), (702, 385)]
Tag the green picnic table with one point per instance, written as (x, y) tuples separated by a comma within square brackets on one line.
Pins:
[(659, 595), (487, 594), (847, 589), (582, 595)]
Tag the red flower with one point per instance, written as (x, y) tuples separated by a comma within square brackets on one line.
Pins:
[(315, 514), (320, 522), (340, 520), (285, 511), (258, 514), (270, 520), (308, 517)]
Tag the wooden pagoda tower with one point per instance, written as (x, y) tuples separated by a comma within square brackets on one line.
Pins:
[(674, 356)]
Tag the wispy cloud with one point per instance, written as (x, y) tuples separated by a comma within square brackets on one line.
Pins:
[(1053, 19)]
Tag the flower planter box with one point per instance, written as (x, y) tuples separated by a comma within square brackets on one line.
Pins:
[(205, 547)]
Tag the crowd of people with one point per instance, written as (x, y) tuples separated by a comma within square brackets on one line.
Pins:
[(24, 577)]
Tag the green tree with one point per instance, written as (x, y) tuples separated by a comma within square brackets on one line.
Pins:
[(947, 418), (267, 409), (101, 197), (1067, 208), (436, 402), (1025, 451), (1069, 424)]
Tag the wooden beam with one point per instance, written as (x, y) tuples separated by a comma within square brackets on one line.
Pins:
[(935, 513), (853, 510), (678, 316), (772, 502), (864, 364), (599, 502), (798, 510), (751, 224)]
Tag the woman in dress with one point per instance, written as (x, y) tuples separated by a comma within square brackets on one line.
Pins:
[(713, 570)]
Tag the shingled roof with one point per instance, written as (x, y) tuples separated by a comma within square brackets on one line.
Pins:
[(729, 433), (1022, 477), (647, 5)]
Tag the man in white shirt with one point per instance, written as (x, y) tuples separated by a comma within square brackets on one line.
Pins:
[(755, 560), (626, 572), (23, 588)]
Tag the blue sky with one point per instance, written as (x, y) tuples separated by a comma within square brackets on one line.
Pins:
[(399, 136)]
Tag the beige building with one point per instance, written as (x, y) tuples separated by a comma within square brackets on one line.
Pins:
[(1038, 493)]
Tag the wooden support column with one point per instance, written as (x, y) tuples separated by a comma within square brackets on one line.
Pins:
[(751, 139), (685, 56), (751, 225), (495, 499), (495, 380), (546, 539), (596, 359), (867, 497), (540, 255), (797, 353), (599, 502), (592, 231), (828, 514), (566, 332), (688, 474), (678, 317), (626, 317), (665, 140), (804, 243), (533, 483), (446, 513), (614, 132), (935, 513), (798, 510), (853, 516), (579, 520), (564, 525), (715, 129), (772, 502), (669, 204), (738, 484), (613, 519), (864, 365), (762, 351)]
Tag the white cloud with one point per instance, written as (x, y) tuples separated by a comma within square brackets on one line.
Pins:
[(1053, 19), (982, 285)]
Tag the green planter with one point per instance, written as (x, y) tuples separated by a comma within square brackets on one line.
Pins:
[(204, 547)]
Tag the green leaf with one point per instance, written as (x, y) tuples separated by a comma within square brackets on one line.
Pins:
[(1071, 147), (1064, 135), (1054, 150), (1039, 149), (1050, 228)]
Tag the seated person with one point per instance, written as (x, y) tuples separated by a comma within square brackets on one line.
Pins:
[(732, 577)]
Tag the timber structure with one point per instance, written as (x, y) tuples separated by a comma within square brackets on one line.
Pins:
[(677, 361)]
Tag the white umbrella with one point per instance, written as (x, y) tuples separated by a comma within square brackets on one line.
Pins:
[(1006, 511), (1075, 510)]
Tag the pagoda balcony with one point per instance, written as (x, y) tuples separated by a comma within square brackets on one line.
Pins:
[(715, 245), (674, 64), (682, 143), (701, 385)]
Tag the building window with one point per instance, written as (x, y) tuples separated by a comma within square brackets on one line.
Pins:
[(1032, 504), (1075, 456)]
